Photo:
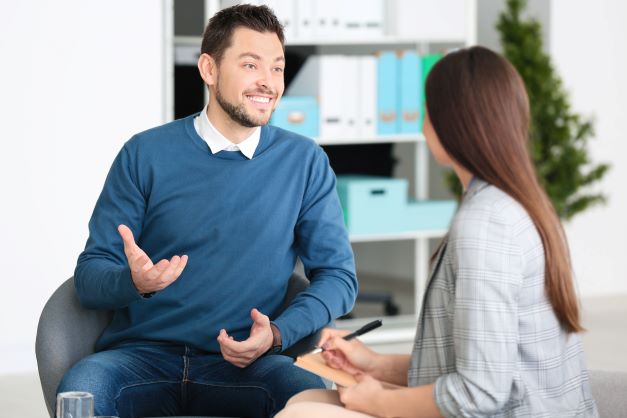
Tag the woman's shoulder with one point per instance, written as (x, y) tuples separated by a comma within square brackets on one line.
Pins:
[(493, 203), (486, 208)]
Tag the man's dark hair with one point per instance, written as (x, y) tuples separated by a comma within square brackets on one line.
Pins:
[(219, 31)]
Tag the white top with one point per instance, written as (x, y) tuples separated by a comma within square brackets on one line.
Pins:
[(218, 142)]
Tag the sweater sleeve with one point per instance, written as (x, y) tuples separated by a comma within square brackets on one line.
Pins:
[(102, 276), (488, 266), (326, 253)]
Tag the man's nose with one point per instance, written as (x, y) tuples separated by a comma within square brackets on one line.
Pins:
[(265, 80)]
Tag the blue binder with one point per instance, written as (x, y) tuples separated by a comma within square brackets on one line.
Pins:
[(410, 86), (387, 93)]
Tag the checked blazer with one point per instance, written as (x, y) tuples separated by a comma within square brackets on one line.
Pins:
[(487, 335)]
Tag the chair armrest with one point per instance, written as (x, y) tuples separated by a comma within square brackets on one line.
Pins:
[(297, 283)]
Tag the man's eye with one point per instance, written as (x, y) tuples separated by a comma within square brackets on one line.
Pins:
[(279, 69), (250, 66)]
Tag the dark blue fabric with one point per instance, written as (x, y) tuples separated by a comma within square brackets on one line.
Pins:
[(140, 380), (241, 222)]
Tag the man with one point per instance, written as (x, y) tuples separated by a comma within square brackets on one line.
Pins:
[(226, 203)]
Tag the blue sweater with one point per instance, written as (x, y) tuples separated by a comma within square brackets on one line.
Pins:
[(241, 222)]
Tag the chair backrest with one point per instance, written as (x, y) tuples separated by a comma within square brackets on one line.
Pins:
[(609, 389), (67, 332)]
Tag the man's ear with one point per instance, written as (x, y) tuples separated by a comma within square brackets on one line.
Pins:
[(207, 68)]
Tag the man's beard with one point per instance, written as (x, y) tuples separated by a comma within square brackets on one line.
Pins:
[(238, 112)]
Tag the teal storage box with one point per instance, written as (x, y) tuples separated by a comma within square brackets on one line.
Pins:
[(299, 114), (430, 214), (373, 204)]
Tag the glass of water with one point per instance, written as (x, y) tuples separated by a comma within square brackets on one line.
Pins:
[(75, 405)]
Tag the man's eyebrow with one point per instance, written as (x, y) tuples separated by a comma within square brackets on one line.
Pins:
[(258, 58), (249, 54)]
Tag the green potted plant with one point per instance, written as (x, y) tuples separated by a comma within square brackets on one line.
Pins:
[(558, 136)]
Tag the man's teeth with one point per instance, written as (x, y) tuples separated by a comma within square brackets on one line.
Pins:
[(259, 99)]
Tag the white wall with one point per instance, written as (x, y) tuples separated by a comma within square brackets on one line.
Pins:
[(588, 48), (488, 12), (77, 79)]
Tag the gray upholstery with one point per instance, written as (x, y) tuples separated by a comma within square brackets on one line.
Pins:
[(58, 346), (609, 390)]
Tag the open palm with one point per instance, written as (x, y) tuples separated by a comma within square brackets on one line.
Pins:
[(147, 276)]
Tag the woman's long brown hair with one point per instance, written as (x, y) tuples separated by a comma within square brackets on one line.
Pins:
[(478, 106)]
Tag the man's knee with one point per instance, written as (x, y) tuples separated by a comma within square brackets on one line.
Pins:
[(86, 375), (285, 374), (286, 380), (95, 375)]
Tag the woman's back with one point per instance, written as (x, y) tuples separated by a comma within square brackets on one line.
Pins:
[(488, 336)]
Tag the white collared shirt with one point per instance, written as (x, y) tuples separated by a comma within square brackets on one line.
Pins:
[(218, 142)]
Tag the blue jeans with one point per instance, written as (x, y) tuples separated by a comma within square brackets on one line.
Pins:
[(158, 379)]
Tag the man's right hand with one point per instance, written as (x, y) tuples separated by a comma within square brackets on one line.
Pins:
[(351, 356), (149, 277)]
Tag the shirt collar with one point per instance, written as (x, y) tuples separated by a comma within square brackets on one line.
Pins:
[(218, 142), (474, 186)]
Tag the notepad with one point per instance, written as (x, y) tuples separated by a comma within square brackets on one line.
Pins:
[(317, 365)]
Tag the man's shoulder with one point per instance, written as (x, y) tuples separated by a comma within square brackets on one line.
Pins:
[(158, 134)]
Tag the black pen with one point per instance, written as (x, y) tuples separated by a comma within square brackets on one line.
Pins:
[(361, 331)]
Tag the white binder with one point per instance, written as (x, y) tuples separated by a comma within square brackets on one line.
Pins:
[(442, 20), (285, 11), (367, 97), (349, 79), (329, 20), (323, 76), (305, 19), (363, 19)]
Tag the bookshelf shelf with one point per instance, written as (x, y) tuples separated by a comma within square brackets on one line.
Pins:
[(376, 140), (398, 236), (399, 328)]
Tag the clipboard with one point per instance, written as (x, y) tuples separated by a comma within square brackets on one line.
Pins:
[(315, 364)]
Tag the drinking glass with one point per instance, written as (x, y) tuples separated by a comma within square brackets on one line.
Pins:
[(75, 405)]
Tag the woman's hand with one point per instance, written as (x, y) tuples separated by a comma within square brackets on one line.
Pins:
[(364, 397), (351, 356)]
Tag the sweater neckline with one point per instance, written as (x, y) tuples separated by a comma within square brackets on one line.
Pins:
[(264, 141)]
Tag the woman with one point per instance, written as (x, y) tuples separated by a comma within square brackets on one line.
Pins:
[(497, 335)]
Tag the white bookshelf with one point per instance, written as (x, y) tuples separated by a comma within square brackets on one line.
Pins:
[(399, 328)]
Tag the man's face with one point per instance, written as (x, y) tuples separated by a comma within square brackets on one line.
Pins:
[(249, 79)]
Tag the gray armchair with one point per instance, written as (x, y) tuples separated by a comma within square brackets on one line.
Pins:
[(609, 390), (58, 347)]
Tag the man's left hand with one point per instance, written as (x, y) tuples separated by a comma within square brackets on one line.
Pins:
[(242, 353)]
